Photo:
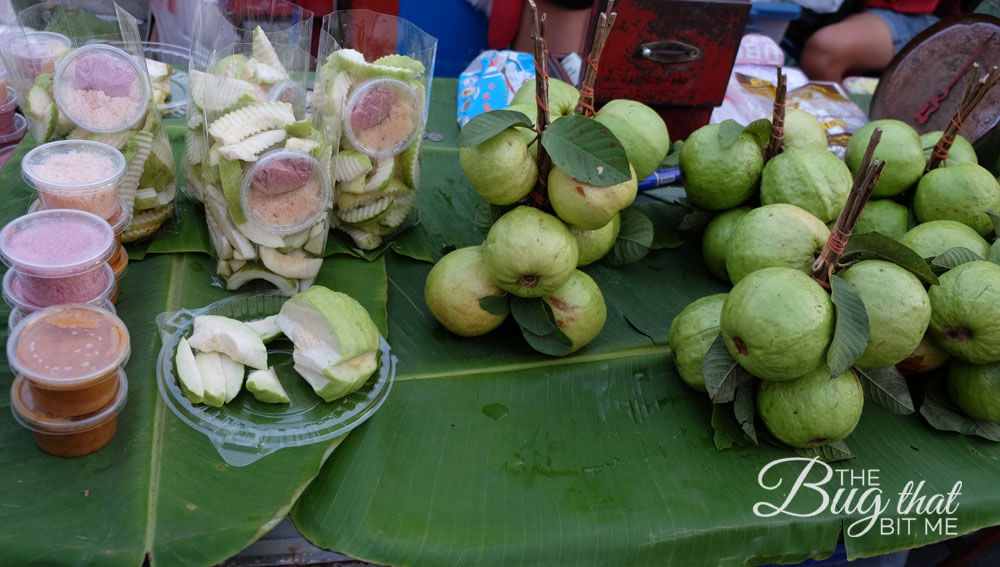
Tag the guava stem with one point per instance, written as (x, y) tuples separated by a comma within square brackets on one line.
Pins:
[(776, 142), (528, 281), (957, 334), (864, 184)]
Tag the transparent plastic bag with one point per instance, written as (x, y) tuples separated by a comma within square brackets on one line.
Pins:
[(255, 160), (80, 73), (371, 98)]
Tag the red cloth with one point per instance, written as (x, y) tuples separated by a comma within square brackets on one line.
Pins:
[(905, 6), (505, 16)]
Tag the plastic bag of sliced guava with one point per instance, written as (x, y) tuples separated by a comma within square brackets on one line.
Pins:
[(252, 155), (370, 100), (80, 73)]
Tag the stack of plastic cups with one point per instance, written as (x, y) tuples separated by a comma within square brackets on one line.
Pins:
[(57, 256), (81, 175), (69, 393), (12, 125)]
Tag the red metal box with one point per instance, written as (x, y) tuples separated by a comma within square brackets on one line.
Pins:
[(674, 55)]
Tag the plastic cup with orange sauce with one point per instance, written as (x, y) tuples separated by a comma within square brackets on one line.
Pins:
[(70, 356), (64, 436)]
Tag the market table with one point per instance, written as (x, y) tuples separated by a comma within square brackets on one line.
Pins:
[(485, 452)]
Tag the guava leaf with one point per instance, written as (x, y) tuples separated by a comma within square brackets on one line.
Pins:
[(729, 131), (850, 336), (995, 219), (635, 238), (942, 414), (484, 126), (533, 315), (745, 408), (666, 219), (553, 344), (696, 219), (836, 451), (586, 150), (673, 159), (954, 257), (725, 427), (760, 129), (723, 375), (495, 304), (487, 214), (887, 387), (875, 245)]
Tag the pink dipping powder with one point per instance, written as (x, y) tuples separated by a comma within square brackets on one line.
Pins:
[(56, 243)]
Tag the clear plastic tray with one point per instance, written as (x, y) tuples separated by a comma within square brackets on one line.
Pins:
[(245, 430)]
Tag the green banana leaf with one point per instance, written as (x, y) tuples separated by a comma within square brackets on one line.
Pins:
[(159, 491), (488, 453)]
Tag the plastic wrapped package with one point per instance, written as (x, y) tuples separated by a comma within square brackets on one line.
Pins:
[(254, 158), (80, 73), (370, 100)]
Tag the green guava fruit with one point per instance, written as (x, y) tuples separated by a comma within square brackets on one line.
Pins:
[(926, 357), (500, 169), (265, 387), (453, 289), (588, 206), (592, 245), (336, 342), (718, 178), (803, 130), (715, 240), (965, 312), (931, 239), (641, 131), (530, 253), (994, 255), (777, 323), (579, 309), (976, 389), (812, 410), (885, 217), (813, 179), (775, 235), (562, 97), (898, 310), (692, 332), (961, 192), (961, 151), (899, 148)]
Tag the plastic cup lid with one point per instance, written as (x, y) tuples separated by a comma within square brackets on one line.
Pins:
[(11, 97), (13, 291), (20, 127), (81, 342), (285, 192), (383, 116), (16, 315), (118, 221), (38, 45), (30, 417), (72, 178), (121, 218), (101, 88), (36, 243), (291, 92)]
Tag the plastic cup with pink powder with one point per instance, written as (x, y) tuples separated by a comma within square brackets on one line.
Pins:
[(285, 192), (33, 53), (76, 174), (60, 254), (383, 116), (101, 88)]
